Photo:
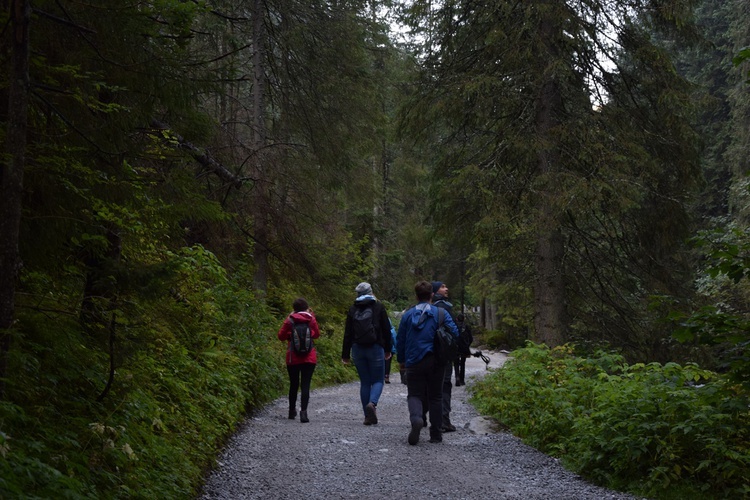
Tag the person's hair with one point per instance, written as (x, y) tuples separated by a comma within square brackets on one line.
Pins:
[(300, 305), (423, 290)]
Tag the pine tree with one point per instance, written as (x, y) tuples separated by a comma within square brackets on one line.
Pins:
[(565, 136)]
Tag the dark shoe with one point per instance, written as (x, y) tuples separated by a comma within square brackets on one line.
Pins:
[(292, 414), (424, 421), (449, 427), (370, 414), (416, 427), (459, 383), (435, 437), (387, 379), (303, 417)]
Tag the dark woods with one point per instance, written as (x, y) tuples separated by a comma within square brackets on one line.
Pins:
[(174, 173)]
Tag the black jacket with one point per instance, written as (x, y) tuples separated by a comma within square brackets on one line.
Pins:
[(382, 326)]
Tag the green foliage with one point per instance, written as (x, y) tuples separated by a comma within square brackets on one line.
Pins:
[(505, 338), (665, 431), (742, 56), (190, 362), (720, 319), (139, 344), (610, 170)]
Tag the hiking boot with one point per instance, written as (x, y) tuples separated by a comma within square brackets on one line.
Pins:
[(387, 379), (370, 415), (435, 436), (303, 417), (448, 426), (416, 427), (292, 414)]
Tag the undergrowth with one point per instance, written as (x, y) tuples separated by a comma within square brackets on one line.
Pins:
[(189, 366), (663, 431)]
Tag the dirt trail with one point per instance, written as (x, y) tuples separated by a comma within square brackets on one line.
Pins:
[(336, 456)]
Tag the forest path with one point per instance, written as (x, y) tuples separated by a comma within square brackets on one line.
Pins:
[(336, 456)]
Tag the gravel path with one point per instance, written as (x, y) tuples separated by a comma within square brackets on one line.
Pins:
[(336, 456)]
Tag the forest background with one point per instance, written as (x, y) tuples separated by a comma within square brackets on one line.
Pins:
[(174, 173)]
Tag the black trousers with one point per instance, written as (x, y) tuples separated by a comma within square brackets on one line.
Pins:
[(300, 373), (460, 367), (424, 382)]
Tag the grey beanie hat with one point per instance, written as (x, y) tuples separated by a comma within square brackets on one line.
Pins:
[(363, 288)]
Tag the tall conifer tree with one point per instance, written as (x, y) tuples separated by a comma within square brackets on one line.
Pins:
[(565, 128)]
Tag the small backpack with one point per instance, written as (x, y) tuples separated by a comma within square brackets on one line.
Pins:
[(465, 338), (363, 325), (301, 341)]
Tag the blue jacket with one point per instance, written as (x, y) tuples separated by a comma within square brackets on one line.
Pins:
[(416, 332), (393, 339)]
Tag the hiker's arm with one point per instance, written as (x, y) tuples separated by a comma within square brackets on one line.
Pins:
[(285, 330), (314, 328)]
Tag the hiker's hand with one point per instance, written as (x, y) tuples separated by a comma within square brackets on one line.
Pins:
[(388, 356), (402, 366), (345, 361)]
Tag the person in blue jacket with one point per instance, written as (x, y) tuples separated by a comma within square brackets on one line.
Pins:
[(415, 344), (393, 352)]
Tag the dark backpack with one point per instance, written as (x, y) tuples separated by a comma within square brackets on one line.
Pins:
[(446, 345), (363, 325), (465, 338), (301, 340)]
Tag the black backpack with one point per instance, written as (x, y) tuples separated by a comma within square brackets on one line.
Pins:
[(301, 340), (363, 325), (446, 345), (465, 338)]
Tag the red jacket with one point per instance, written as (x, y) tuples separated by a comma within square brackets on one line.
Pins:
[(285, 334)]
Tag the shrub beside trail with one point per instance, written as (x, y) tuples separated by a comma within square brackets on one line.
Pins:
[(664, 431)]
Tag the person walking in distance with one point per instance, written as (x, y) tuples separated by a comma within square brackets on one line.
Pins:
[(299, 330), (367, 341), (465, 338), (393, 351), (416, 354), (439, 299)]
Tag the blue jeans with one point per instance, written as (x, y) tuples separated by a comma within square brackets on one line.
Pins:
[(370, 364)]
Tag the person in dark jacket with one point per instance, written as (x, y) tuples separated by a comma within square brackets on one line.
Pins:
[(465, 338), (367, 341), (439, 299), (299, 366), (416, 353)]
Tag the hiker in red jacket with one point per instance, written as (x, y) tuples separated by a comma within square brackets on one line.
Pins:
[(300, 365)]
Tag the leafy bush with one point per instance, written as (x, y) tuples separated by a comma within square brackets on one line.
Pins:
[(665, 431), (190, 362)]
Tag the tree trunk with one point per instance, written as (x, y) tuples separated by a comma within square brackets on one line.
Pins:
[(550, 322), (261, 205), (11, 173)]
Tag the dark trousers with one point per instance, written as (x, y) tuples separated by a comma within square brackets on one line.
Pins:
[(447, 388), (424, 382), (460, 367), (302, 372)]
